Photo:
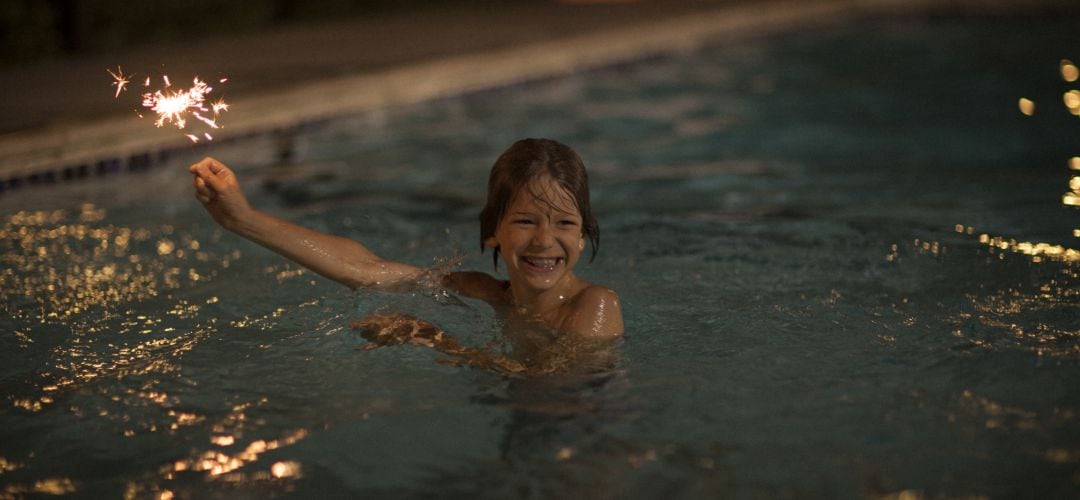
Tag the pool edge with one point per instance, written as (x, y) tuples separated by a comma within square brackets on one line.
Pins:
[(115, 144)]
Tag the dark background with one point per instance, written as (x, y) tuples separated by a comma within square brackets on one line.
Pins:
[(50, 29), (37, 29)]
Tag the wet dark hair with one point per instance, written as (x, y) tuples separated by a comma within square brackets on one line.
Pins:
[(525, 161)]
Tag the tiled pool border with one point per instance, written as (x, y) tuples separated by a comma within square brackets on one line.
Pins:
[(113, 146)]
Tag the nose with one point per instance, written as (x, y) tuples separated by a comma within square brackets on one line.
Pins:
[(543, 237)]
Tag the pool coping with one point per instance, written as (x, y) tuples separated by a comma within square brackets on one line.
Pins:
[(114, 144)]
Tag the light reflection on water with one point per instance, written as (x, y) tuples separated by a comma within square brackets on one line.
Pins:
[(74, 273), (104, 316), (810, 308)]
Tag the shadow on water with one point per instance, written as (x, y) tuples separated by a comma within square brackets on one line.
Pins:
[(564, 403), (561, 439)]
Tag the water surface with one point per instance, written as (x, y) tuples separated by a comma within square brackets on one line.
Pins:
[(793, 224)]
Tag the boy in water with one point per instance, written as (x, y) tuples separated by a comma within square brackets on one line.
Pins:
[(537, 218)]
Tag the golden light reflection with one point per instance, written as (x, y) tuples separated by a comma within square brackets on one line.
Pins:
[(49, 486), (234, 423), (216, 463), (1072, 101), (1069, 72), (78, 364), (903, 495), (894, 253), (29, 404), (285, 469), (638, 460), (134, 491), (1072, 198), (1027, 106), (1038, 251), (286, 274), (999, 416), (223, 440), (1062, 456), (8, 466), (1022, 317), (74, 270), (922, 247), (69, 265), (184, 419)]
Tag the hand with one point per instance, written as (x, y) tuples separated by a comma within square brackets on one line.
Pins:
[(398, 328), (219, 191)]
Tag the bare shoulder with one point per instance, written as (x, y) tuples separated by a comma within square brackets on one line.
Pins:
[(597, 312), (477, 285)]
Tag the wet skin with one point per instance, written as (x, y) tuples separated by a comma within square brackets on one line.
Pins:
[(539, 240)]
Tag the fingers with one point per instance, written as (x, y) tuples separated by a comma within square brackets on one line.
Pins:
[(216, 167), (214, 174), (209, 167), (200, 186), (202, 166), (202, 191)]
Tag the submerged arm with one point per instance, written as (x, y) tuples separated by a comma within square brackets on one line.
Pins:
[(340, 259)]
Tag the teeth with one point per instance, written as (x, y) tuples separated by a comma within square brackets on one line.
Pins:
[(539, 262)]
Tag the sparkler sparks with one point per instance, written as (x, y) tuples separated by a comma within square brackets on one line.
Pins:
[(120, 80), (174, 106)]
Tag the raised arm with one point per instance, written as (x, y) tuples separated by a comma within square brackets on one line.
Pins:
[(340, 259)]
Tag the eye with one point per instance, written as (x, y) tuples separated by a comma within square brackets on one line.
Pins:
[(568, 223), (523, 221)]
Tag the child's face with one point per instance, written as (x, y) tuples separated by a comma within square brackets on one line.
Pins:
[(539, 236)]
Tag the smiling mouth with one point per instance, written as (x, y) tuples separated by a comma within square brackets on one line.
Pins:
[(542, 264)]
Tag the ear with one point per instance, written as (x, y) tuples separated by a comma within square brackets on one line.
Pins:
[(581, 243), (491, 242)]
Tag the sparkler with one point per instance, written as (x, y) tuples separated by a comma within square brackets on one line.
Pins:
[(121, 80), (173, 106)]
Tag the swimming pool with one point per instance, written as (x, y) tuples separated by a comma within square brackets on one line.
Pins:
[(786, 220)]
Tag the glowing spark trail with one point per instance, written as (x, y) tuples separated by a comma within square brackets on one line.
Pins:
[(171, 105), (219, 106), (121, 80), (174, 105)]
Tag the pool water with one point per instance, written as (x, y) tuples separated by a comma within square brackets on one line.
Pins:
[(818, 238)]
